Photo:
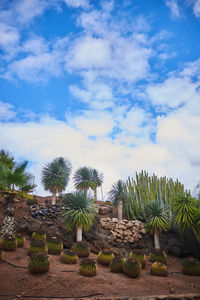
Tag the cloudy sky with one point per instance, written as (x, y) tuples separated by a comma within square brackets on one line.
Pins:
[(110, 84)]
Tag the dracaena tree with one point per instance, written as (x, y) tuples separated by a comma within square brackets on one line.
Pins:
[(97, 179), (83, 179), (117, 196)]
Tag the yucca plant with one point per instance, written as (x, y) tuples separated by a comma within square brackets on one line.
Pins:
[(158, 255), (132, 267), (38, 263), (105, 257), (117, 196), (39, 236), (20, 240), (88, 267), (55, 245), (1, 253), (116, 265), (81, 248), (139, 254), (158, 269), (191, 266), (9, 243), (68, 256), (37, 246)]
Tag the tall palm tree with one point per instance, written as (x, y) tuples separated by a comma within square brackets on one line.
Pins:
[(117, 196), (55, 176), (79, 212), (157, 219), (83, 179), (97, 179)]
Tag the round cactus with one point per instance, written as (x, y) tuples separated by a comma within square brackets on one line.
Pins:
[(116, 265), (88, 267), (1, 253), (20, 240), (38, 263), (81, 248), (105, 257), (158, 269), (9, 243), (69, 257), (158, 255), (37, 247), (191, 266), (132, 267), (54, 245), (40, 236), (139, 254)]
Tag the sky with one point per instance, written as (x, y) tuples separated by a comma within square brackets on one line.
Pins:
[(113, 85)]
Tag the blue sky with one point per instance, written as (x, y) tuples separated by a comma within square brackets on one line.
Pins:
[(109, 84)]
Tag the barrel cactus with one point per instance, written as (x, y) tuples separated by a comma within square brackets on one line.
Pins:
[(20, 240), (116, 265), (40, 236), (37, 246), (158, 269), (54, 245), (105, 257), (1, 253), (88, 267), (139, 254), (132, 267), (81, 248), (191, 266), (158, 255), (38, 263), (9, 243), (69, 257)]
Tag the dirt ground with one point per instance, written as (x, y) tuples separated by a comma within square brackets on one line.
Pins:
[(65, 281)]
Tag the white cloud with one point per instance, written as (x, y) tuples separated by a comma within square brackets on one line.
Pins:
[(35, 45), (77, 3), (9, 38), (196, 8), (174, 8), (6, 111)]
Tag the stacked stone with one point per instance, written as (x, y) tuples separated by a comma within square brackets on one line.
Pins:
[(123, 231), (40, 211)]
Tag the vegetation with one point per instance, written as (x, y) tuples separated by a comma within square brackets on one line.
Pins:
[(139, 254), (158, 269), (158, 255), (105, 257), (117, 196), (191, 266), (81, 248), (39, 236), (132, 267), (69, 257), (20, 240), (37, 246), (97, 179), (9, 243), (83, 179), (54, 245), (32, 200), (38, 263), (88, 267), (116, 265)]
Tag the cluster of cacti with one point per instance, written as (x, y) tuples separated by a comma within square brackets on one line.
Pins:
[(88, 267), (1, 253), (105, 257), (132, 267), (158, 269), (20, 240), (157, 255), (81, 248), (9, 243), (139, 254), (37, 246), (69, 257), (38, 263), (191, 266), (116, 265), (41, 236), (54, 245)]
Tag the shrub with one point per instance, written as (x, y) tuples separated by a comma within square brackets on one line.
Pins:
[(31, 201), (40, 236), (132, 267), (158, 255), (191, 266), (20, 240), (37, 246), (158, 269), (139, 254), (9, 243), (69, 257), (54, 245), (38, 263), (116, 265), (105, 257), (81, 248), (88, 267)]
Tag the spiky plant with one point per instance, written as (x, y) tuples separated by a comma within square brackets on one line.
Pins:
[(83, 179), (69, 257), (158, 269), (116, 265), (105, 257), (117, 196), (39, 236), (37, 246), (132, 267), (20, 240), (158, 255), (88, 267), (55, 245), (191, 266), (97, 180), (1, 253), (38, 263), (139, 254), (81, 248), (9, 243)]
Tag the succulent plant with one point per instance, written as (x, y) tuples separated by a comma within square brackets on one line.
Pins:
[(40, 236), (54, 245), (132, 267), (116, 264), (81, 248), (88, 267), (9, 243), (1, 253), (191, 266), (139, 254), (105, 257), (158, 255), (38, 263), (20, 240), (158, 269), (37, 246), (69, 257)]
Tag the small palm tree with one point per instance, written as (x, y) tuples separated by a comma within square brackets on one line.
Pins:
[(117, 196), (55, 176), (97, 179), (157, 219), (7, 159), (79, 212), (83, 179)]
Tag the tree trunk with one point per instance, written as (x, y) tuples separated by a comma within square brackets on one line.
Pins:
[(95, 194), (156, 240), (79, 233), (120, 206), (53, 201)]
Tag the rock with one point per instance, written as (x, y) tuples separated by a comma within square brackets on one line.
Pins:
[(104, 210), (115, 220), (121, 226), (127, 232)]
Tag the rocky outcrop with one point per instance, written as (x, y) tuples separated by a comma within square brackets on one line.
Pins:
[(42, 212)]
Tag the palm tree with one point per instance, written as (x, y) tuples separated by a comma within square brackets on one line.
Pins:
[(157, 219), (79, 212), (97, 179), (83, 179), (55, 176), (117, 196), (7, 158)]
